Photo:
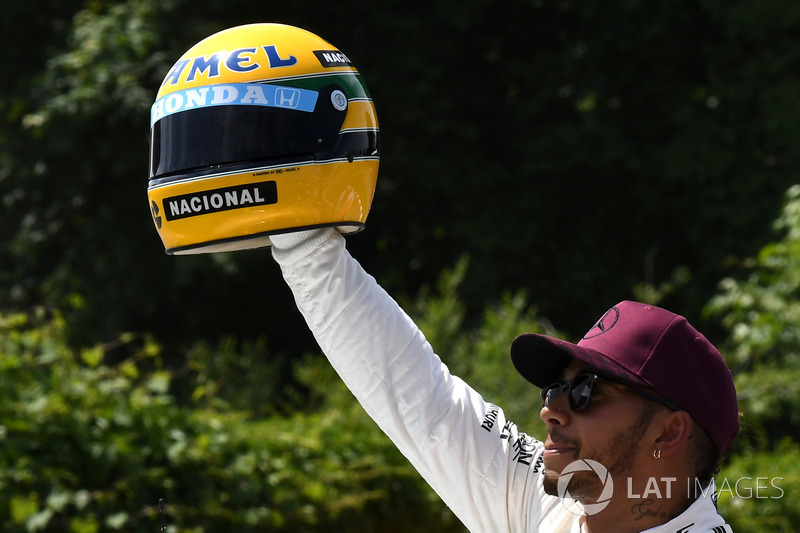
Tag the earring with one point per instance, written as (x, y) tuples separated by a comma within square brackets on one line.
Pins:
[(656, 454)]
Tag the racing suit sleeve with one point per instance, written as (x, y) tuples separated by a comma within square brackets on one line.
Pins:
[(483, 468)]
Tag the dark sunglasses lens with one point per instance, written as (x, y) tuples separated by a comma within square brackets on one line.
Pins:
[(547, 395), (551, 392), (581, 392)]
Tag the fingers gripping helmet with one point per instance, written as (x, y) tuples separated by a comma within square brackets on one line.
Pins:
[(257, 130)]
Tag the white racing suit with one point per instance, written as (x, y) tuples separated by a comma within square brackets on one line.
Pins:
[(486, 470)]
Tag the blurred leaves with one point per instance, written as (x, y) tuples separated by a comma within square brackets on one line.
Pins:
[(756, 490), (93, 447), (760, 310), (110, 59)]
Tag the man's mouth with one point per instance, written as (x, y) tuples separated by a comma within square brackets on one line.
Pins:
[(556, 445), (551, 450)]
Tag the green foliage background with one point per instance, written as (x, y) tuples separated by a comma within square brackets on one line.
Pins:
[(541, 160)]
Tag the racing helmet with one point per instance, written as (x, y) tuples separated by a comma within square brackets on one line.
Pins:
[(256, 130)]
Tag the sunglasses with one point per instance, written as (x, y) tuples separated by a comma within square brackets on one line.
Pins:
[(581, 388)]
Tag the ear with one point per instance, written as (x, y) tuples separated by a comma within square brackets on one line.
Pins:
[(675, 429)]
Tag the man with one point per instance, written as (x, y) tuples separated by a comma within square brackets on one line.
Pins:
[(637, 412)]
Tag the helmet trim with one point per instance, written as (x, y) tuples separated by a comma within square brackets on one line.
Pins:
[(229, 244)]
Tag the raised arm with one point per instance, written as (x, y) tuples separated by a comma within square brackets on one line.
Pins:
[(480, 465)]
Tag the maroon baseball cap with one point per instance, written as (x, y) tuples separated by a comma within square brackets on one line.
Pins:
[(649, 346)]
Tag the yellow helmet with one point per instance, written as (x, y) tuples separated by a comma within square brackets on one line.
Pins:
[(256, 130)]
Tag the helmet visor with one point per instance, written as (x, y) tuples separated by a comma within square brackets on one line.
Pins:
[(216, 135)]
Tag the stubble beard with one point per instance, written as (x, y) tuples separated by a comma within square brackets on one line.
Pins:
[(617, 457)]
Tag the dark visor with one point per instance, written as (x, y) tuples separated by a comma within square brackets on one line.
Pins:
[(222, 135)]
